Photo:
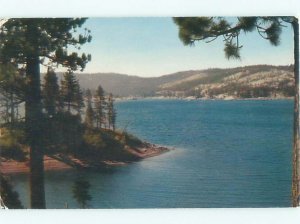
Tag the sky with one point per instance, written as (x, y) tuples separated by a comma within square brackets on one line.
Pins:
[(149, 46)]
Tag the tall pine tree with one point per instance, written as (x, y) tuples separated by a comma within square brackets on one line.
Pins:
[(111, 112), (100, 106), (71, 93), (30, 42), (89, 114), (79, 101)]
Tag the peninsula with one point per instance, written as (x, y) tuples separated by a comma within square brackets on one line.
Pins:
[(123, 149)]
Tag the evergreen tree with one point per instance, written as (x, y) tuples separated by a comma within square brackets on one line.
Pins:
[(193, 29), (89, 115), (68, 89), (113, 118), (12, 88), (78, 101), (50, 93), (71, 93), (100, 106), (111, 112), (30, 42)]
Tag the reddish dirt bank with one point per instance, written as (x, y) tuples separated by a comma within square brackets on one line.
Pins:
[(7, 167), (148, 150), (63, 162)]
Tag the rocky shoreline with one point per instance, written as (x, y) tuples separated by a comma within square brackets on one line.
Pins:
[(65, 162)]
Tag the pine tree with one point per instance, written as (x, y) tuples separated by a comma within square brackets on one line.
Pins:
[(78, 100), (100, 106), (50, 93), (30, 42), (111, 112), (12, 89), (71, 93), (68, 89), (193, 29), (113, 118), (89, 115)]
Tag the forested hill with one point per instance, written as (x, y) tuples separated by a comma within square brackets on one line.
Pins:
[(125, 85), (241, 82)]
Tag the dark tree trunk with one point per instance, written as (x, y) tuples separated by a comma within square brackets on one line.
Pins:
[(295, 178), (34, 121), (12, 111)]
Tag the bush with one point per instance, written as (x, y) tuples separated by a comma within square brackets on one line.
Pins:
[(10, 144)]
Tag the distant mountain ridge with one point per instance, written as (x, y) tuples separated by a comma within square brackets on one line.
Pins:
[(248, 81), (125, 85)]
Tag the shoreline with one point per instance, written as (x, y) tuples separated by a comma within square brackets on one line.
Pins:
[(67, 162), (126, 99)]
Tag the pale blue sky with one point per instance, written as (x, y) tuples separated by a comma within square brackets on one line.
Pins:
[(151, 47)]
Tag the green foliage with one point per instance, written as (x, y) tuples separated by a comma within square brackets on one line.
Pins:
[(106, 144), (273, 33), (111, 112), (192, 29), (231, 51), (71, 94), (100, 107), (12, 89), (63, 133), (89, 114), (128, 139), (12, 81), (50, 93), (247, 24), (78, 101), (88, 95), (93, 139), (51, 36), (12, 144)]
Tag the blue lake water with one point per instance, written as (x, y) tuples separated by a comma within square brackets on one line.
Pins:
[(227, 154)]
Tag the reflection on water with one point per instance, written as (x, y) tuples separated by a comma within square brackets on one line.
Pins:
[(80, 190), (8, 196)]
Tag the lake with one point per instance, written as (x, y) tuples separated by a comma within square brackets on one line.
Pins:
[(226, 154)]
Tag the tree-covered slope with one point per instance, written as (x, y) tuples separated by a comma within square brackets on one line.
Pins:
[(241, 81)]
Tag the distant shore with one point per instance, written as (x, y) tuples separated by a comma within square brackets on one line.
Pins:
[(228, 98), (66, 162)]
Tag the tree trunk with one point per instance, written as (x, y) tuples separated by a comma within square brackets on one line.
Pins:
[(295, 178), (34, 121), (12, 107)]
